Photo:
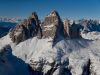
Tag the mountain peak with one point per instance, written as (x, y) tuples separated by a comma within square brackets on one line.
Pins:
[(34, 15), (29, 28), (54, 13), (51, 27)]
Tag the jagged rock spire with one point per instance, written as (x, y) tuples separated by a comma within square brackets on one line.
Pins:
[(75, 30), (72, 30), (66, 28), (54, 13), (52, 25), (29, 28)]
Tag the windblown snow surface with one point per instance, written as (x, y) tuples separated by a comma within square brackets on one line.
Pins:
[(67, 57)]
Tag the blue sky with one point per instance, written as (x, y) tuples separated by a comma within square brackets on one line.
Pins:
[(72, 9)]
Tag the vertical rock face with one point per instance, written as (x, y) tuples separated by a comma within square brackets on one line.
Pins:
[(75, 31), (18, 34), (72, 31), (66, 28), (34, 26), (52, 25), (29, 28)]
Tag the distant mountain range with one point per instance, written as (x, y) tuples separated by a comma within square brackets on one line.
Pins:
[(7, 23), (14, 20), (5, 26)]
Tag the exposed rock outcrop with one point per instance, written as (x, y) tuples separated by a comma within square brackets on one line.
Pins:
[(66, 28), (75, 31), (52, 25), (29, 28), (90, 25), (72, 31), (84, 23)]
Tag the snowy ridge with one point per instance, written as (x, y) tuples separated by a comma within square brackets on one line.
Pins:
[(91, 35), (5, 41), (67, 56)]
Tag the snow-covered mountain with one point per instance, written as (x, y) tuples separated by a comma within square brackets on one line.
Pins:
[(49, 48), (12, 20)]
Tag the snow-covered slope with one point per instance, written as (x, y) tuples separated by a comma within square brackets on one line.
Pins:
[(5, 41), (67, 57), (91, 35), (10, 64)]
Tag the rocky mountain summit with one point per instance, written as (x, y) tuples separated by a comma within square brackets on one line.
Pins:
[(72, 30), (51, 27), (29, 28)]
